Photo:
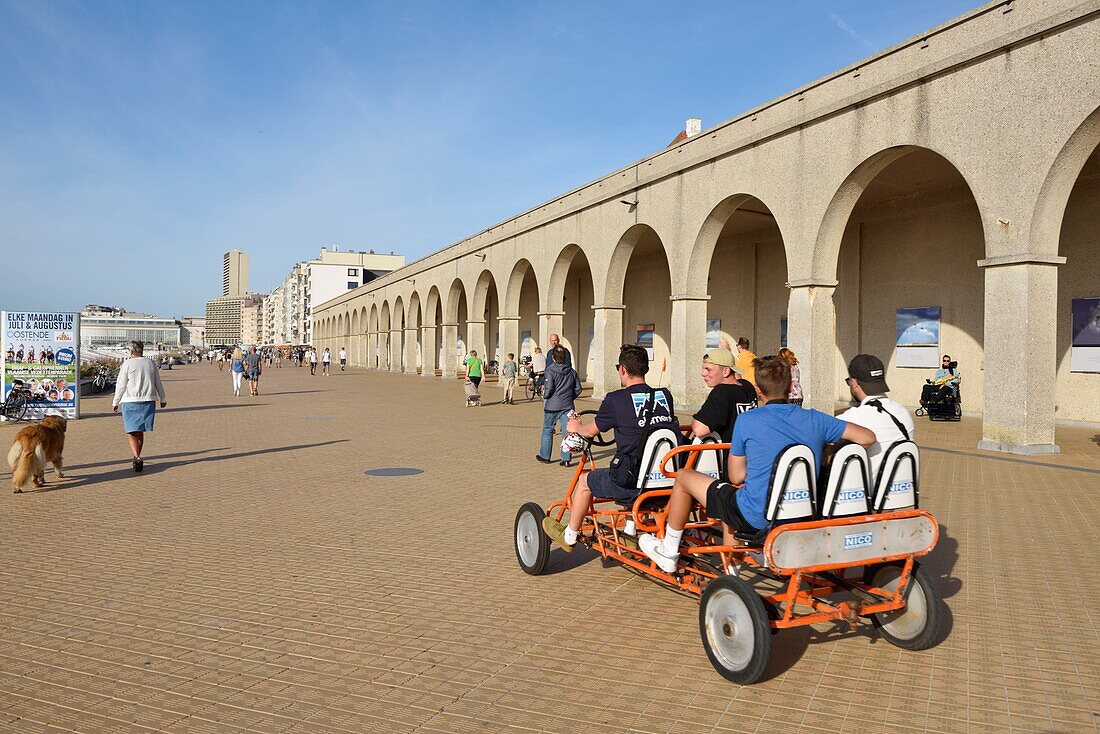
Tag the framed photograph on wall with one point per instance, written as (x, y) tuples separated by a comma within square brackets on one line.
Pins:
[(782, 332), (714, 332), (645, 335), (1085, 335), (918, 337)]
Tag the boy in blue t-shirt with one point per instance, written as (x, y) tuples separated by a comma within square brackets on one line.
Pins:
[(758, 437)]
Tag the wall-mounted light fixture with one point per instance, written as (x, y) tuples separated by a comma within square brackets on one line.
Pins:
[(632, 204), (479, 255)]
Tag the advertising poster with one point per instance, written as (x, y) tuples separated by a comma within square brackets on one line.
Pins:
[(525, 344), (645, 338), (714, 332), (42, 359), (1085, 344), (918, 337), (782, 332)]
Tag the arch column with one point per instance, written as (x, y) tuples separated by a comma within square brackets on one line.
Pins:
[(508, 328), (689, 338), (383, 350), (475, 337), (811, 334), (410, 350), (372, 348), (450, 359), (606, 340), (395, 350), (550, 322), (427, 351), (1021, 326)]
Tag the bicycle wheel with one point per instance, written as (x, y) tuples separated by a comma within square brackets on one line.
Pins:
[(529, 389), (15, 407)]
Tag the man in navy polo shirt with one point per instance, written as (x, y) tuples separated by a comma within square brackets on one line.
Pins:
[(758, 437), (631, 411)]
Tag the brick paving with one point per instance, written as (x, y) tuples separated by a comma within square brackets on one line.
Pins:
[(253, 579)]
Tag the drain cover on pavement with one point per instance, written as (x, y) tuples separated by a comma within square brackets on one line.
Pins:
[(393, 471)]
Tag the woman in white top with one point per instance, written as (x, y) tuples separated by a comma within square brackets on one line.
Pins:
[(137, 391), (326, 359)]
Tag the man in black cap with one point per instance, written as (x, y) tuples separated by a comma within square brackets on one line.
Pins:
[(889, 420)]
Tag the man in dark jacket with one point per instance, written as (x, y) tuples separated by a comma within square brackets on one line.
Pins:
[(561, 388)]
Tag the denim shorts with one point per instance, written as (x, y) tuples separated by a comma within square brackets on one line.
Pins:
[(599, 482)]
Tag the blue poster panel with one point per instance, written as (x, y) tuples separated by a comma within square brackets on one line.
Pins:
[(1085, 341), (918, 337)]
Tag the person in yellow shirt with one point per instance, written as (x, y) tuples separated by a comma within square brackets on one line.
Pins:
[(744, 360)]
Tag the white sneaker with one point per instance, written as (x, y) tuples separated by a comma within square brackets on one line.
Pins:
[(651, 546)]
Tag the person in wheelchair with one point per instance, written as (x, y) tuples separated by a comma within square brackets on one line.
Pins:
[(944, 385), (758, 438), (632, 411), (889, 420)]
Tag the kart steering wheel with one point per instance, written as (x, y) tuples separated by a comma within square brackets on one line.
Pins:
[(598, 439)]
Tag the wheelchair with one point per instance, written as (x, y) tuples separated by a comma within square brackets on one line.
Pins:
[(940, 404), (840, 548)]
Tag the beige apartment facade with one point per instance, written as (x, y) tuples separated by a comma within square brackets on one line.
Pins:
[(956, 170)]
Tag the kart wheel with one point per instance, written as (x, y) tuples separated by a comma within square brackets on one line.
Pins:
[(918, 625), (733, 624), (920, 411), (958, 410), (532, 545)]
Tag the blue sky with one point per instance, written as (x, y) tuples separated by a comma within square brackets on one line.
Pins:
[(141, 140)]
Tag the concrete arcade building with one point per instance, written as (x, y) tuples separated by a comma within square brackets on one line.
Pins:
[(958, 170)]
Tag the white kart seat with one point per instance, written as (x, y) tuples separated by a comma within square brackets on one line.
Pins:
[(658, 443), (709, 462), (897, 486), (846, 483), (792, 494)]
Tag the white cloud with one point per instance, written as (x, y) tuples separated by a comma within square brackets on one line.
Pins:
[(843, 25)]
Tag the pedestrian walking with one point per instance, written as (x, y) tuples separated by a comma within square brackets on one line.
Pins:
[(236, 367), (326, 361), (473, 368), (343, 358), (221, 360), (137, 390), (508, 372), (252, 371), (312, 356), (561, 387)]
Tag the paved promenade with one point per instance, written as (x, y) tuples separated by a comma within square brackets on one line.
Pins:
[(254, 579)]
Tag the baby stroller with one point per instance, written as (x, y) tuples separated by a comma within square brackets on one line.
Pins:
[(473, 397)]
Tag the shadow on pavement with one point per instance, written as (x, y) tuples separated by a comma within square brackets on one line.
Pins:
[(154, 466), (560, 561), (159, 456), (940, 564)]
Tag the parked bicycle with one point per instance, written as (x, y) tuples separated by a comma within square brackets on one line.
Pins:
[(15, 404), (532, 386), (102, 379)]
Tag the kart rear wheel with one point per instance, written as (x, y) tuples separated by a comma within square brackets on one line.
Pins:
[(532, 545), (733, 624), (916, 626)]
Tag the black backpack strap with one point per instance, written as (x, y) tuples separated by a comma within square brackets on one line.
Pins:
[(891, 416)]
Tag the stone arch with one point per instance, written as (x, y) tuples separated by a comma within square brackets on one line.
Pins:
[(1064, 173), (485, 307), (1077, 390), (837, 215), (431, 308), (740, 260), (522, 271), (415, 319), (354, 322), (570, 291), (372, 322), (912, 240), (639, 277), (456, 296)]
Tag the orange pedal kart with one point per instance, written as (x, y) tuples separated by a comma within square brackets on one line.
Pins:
[(845, 551)]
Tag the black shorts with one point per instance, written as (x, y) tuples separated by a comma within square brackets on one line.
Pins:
[(722, 505)]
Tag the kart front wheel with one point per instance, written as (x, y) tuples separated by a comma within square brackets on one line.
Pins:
[(532, 545), (733, 624), (918, 624)]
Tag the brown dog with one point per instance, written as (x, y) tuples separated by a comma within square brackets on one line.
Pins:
[(35, 446)]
